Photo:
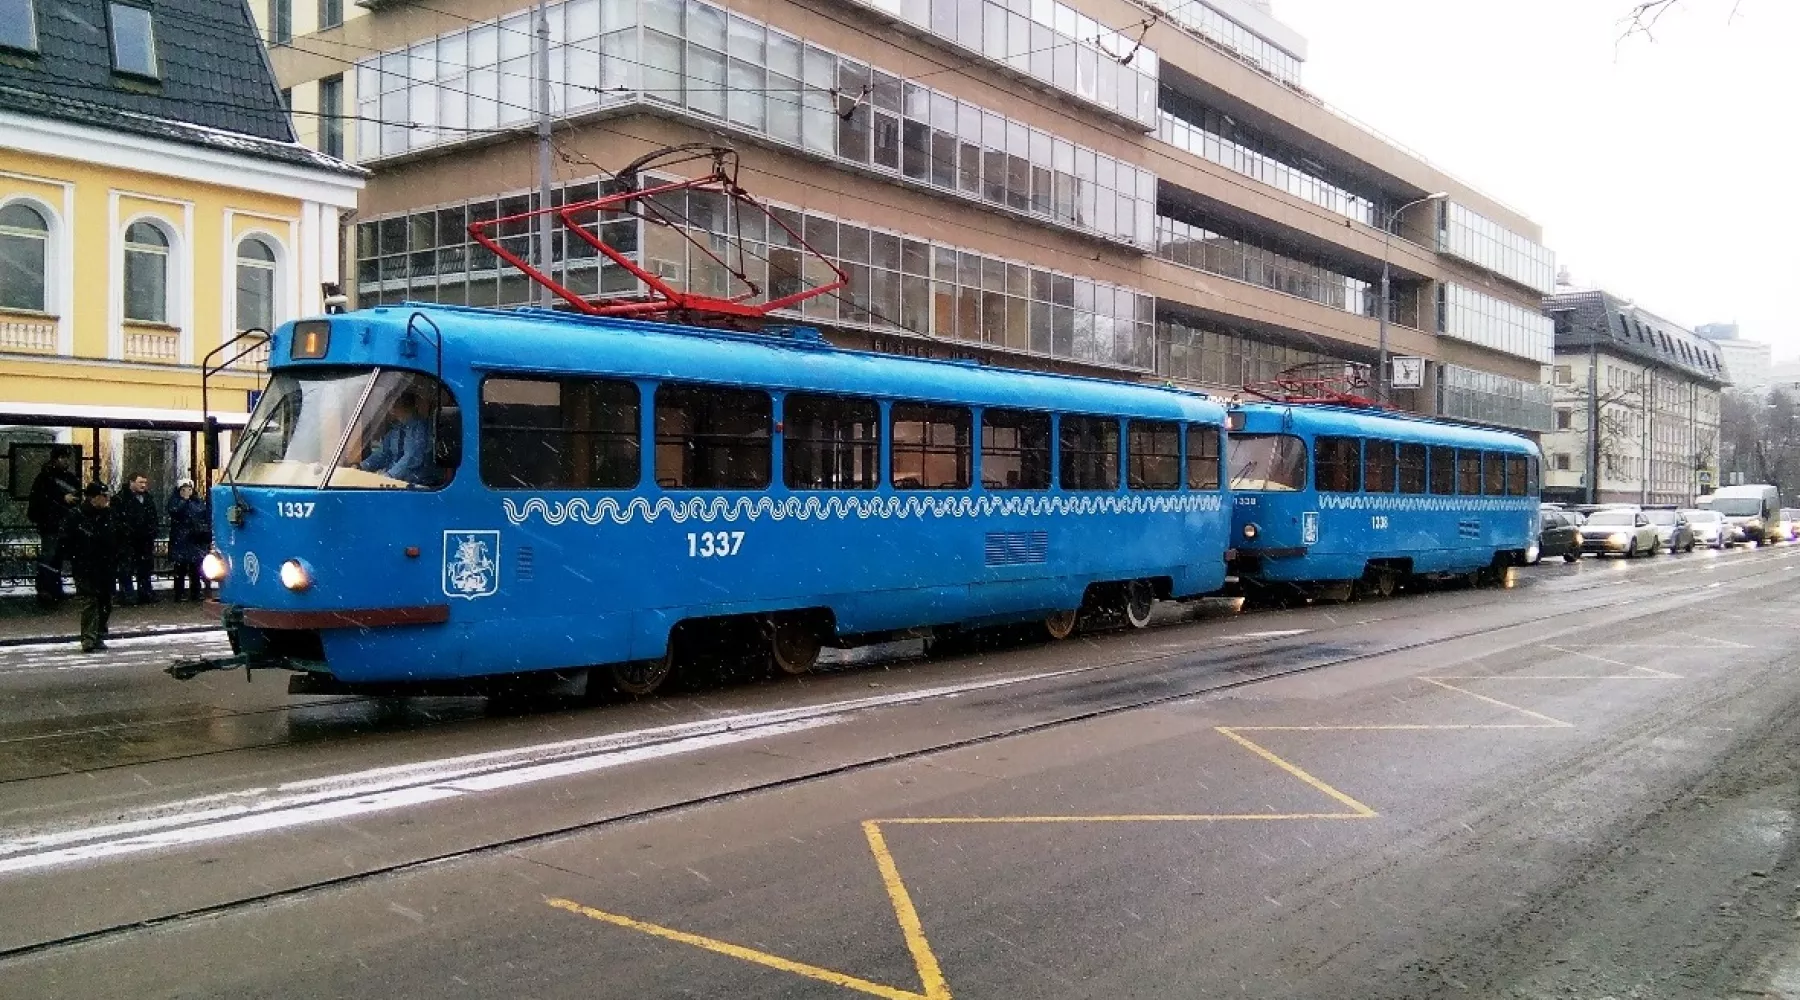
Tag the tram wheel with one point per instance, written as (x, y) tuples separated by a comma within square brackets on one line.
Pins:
[(1384, 581), (1062, 624), (644, 677), (1140, 600), (794, 645)]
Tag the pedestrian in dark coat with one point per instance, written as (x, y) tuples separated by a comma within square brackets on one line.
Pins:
[(91, 537), (54, 493), (190, 535), (138, 523)]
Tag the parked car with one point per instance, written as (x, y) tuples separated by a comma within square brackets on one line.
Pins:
[(1672, 529), (1559, 534), (1625, 533), (1709, 527)]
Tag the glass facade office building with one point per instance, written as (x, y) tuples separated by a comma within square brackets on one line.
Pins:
[(729, 70), (992, 176)]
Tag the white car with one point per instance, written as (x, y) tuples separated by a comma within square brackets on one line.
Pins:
[(1625, 533), (1709, 527)]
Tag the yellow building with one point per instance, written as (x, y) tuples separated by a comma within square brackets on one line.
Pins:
[(153, 203)]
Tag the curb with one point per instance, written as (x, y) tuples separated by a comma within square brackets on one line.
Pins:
[(42, 640)]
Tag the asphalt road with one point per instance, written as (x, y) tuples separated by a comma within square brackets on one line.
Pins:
[(1580, 786)]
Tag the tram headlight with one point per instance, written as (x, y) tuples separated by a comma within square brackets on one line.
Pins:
[(296, 575), (1251, 531), (215, 567)]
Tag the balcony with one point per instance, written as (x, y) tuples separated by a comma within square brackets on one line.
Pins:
[(159, 345), (27, 334)]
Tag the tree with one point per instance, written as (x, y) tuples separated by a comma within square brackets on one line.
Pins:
[(1644, 16), (1760, 438)]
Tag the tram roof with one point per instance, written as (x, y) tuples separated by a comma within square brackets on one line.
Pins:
[(1328, 419), (565, 343)]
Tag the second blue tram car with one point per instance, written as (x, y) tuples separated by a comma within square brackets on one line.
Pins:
[(1329, 497), (605, 493)]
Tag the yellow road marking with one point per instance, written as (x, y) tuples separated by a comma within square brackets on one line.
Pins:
[(1558, 723), (1399, 727), (1147, 818), (751, 955), (930, 976), (1269, 756)]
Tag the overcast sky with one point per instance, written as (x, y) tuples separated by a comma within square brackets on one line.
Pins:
[(1667, 172)]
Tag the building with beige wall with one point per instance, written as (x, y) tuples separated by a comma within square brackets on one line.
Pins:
[(1636, 406), (1129, 189), (153, 203)]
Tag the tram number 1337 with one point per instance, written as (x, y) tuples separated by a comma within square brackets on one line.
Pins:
[(714, 544)]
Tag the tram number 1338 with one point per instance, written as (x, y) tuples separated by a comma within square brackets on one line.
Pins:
[(714, 544)]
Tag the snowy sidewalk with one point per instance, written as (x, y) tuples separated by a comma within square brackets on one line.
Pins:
[(22, 622)]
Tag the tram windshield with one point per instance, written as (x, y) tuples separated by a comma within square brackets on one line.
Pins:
[(1268, 462), (367, 429)]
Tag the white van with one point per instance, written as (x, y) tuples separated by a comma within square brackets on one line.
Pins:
[(1754, 512)]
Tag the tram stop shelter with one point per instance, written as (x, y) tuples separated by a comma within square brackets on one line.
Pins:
[(109, 443)]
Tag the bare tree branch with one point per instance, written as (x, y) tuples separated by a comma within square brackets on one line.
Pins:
[(1645, 14)]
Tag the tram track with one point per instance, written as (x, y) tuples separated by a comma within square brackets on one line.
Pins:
[(1213, 685), (1771, 563)]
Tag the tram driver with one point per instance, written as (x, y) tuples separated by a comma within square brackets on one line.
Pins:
[(404, 449)]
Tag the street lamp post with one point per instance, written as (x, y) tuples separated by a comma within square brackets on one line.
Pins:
[(1383, 378)]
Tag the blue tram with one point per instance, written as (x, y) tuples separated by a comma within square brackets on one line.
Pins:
[(1330, 497), (439, 493)]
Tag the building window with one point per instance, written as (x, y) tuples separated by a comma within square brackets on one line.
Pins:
[(331, 13), (1560, 462), (18, 25), (287, 99), (24, 258), (255, 284), (146, 273), (1565, 375), (1565, 419), (331, 116), (281, 22), (133, 40)]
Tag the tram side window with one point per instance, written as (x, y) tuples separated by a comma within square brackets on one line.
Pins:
[(830, 442), (931, 447), (1533, 486), (1089, 448), (1202, 457), (1468, 472), (559, 433), (1443, 471), (1496, 475), (1412, 468), (1379, 469), (1335, 464), (712, 438), (1153, 455), (1515, 476), (1015, 450)]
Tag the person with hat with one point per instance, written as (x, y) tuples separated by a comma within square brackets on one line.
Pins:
[(189, 537), (91, 538)]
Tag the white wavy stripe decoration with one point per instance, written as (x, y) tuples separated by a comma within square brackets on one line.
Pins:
[(846, 507)]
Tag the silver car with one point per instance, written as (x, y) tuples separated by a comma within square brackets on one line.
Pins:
[(1625, 533), (1709, 527)]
